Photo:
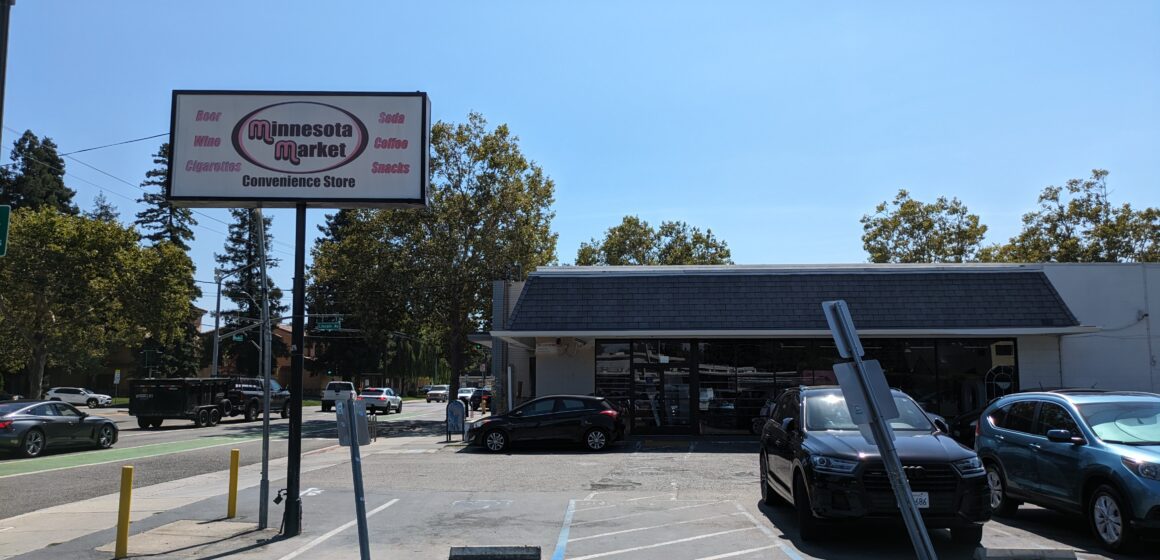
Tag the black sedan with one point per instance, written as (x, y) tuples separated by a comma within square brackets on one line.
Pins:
[(592, 421), (31, 427), (814, 457)]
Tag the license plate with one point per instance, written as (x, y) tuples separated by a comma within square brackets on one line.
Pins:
[(921, 499)]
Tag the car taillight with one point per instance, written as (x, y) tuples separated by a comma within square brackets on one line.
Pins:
[(5, 424), (611, 413), (978, 427), (382, 398), (358, 398)]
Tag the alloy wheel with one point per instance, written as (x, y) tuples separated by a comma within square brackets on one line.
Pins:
[(495, 441), (33, 443), (105, 437), (1107, 518), (596, 440), (996, 485)]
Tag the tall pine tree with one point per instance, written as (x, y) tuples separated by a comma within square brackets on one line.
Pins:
[(163, 223), (244, 290), (160, 220), (36, 178), (103, 210)]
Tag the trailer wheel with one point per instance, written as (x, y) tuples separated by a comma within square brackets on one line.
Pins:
[(215, 416), (203, 417), (251, 412), (156, 423), (143, 423)]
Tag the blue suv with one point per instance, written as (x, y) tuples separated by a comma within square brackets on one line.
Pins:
[(1093, 453)]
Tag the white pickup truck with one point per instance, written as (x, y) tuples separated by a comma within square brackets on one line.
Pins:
[(336, 391)]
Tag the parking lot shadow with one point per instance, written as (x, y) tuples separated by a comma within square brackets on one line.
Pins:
[(860, 540), (1066, 529)]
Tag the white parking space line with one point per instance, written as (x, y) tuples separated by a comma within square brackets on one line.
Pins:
[(597, 507), (335, 531), (648, 513), (666, 543), (651, 527), (738, 553), (670, 496)]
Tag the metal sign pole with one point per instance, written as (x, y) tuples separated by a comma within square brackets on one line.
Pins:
[(264, 485), (292, 515), (849, 346), (360, 503)]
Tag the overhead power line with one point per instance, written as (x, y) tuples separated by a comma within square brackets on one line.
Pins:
[(116, 178), (116, 144)]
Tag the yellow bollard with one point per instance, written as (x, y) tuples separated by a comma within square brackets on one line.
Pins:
[(232, 509), (123, 513)]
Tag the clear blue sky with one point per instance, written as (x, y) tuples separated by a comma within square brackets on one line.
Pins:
[(777, 125)]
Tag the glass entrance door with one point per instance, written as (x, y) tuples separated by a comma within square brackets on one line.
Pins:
[(661, 399)]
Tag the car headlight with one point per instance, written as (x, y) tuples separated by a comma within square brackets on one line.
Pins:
[(1143, 468), (970, 466), (478, 424), (832, 465)]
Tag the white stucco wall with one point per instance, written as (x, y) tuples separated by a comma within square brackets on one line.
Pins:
[(566, 369), (1122, 300), (1038, 361)]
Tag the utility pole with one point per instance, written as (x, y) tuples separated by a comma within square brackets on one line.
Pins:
[(264, 485), (5, 15)]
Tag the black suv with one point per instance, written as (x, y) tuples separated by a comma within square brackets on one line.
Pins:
[(245, 395), (478, 397), (814, 457)]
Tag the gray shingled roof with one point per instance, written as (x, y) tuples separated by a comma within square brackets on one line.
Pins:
[(780, 301)]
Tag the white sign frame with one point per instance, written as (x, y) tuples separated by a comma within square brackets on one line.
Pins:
[(277, 149)]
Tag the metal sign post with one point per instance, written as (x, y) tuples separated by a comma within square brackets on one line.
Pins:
[(879, 407), (354, 420), (264, 484)]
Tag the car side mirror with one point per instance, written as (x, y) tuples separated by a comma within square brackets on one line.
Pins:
[(1064, 436), (518, 413), (789, 425), (942, 425)]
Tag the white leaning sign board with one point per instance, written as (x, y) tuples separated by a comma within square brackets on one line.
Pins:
[(281, 149)]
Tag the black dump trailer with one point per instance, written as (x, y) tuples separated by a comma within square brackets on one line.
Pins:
[(203, 400)]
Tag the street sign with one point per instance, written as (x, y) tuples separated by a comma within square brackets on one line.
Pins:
[(5, 214), (330, 326), (239, 337), (116, 376), (857, 400), (868, 390), (358, 419)]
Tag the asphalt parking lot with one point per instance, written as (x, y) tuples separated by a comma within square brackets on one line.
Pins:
[(642, 499)]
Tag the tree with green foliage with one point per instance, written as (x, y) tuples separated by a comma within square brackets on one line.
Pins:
[(36, 177), (75, 287), (244, 289), (160, 220), (635, 242), (429, 271), (1078, 223), (338, 354), (911, 231), (103, 210)]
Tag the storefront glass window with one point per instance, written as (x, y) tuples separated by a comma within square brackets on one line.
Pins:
[(613, 372)]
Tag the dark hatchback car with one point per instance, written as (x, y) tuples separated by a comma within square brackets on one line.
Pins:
[(1095, 453), (592, 421), (31, 427), (814, 457)]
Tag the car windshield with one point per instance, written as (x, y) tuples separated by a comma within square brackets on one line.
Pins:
[(439, 388), (274, 386), (828, 411), (1128, 422)]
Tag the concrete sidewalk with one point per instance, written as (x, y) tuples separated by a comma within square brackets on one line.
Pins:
[(64, 523)]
